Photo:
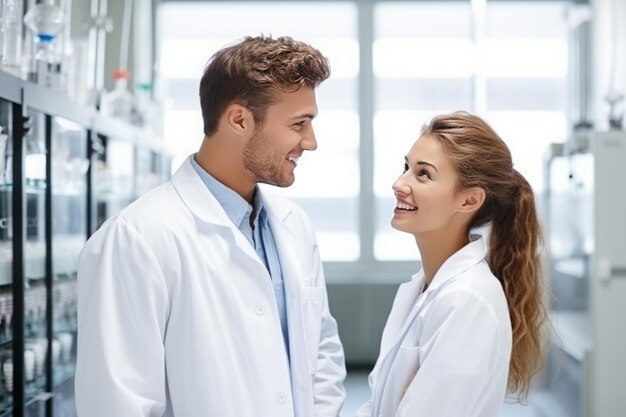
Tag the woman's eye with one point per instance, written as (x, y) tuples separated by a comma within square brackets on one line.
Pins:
[(424, 173)]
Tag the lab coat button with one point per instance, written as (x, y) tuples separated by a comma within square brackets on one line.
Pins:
[(281, 398), (259, 310)]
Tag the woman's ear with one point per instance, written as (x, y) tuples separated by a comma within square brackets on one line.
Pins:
[(472, 199), (238, 119)]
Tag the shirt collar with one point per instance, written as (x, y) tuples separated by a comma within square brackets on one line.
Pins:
[(236, 207)]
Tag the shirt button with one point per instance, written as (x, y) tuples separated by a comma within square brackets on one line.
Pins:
[(281, 398), (259, 310)]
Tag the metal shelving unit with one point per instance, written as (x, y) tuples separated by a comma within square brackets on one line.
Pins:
[(583, 372), (55, 196)]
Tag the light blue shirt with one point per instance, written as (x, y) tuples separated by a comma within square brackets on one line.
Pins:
[(260, 236)]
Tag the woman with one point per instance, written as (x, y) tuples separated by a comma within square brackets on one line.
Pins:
[(469, 324)]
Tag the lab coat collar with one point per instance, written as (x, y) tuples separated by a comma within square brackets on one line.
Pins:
[(409, 301), (197, 197), (462, 260), (203, 204), (275, 205), (208, 211), (410, 298)]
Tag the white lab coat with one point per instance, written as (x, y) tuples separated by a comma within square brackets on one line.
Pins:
[(445, 352), (177, 314)]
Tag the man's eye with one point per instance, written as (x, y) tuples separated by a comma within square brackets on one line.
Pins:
[(406, 167)]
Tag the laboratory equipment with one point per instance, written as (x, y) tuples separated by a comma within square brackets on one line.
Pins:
[(46, 21), (587, 268), (119, 102), (11, 28), (616, 115)]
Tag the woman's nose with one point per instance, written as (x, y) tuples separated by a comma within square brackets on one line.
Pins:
[(400, 187)]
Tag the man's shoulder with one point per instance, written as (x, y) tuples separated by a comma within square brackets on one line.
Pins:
[(156, 207)]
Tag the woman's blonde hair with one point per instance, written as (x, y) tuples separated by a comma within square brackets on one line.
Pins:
[(482, 159)]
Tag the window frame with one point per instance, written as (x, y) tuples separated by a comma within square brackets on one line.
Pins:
[(368, 269)]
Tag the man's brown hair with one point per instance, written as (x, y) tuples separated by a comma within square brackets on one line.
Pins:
[(250, 73)]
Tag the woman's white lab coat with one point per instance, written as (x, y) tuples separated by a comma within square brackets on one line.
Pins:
[(445, 352), (177, 314)]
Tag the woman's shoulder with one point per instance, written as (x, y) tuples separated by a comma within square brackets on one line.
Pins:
[(480, 284)]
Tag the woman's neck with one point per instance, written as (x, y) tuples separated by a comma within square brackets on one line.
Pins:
[(436, 249)]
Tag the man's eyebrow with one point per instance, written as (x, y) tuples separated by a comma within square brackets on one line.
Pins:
[(309, 116)]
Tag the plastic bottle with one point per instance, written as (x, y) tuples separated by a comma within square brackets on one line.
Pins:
[(147, 111), (119, 102), (46, 21)]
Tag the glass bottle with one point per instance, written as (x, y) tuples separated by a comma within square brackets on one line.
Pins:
[(11, 26), (46, 21), (119, 102)]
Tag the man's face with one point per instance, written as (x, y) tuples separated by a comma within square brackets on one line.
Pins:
[(271, 155)]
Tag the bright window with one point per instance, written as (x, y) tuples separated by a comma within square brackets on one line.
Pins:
[(327, 180), (423, 68), (394, 65)]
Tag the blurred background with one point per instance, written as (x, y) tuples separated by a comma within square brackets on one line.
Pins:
[(99, 103)]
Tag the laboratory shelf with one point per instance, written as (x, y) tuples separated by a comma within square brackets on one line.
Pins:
[(52, 216), (66, 328), (8, 412), (65, 254), (40, 398), (62, 375), (54, 104), (10, 87), (5, 343), (34, 262), (117, 129), (38, 188), (30, 334), (42, 99)]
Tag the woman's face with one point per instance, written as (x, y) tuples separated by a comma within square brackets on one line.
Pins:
[(426, 200)]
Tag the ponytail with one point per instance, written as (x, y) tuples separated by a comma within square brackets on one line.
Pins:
[(514, 258), (482, 159)]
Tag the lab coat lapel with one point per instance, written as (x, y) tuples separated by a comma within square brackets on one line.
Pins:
[(297, 275), (461, 261), (291, 262), (465, 258), (403, 306), (206, 209), (396, 338), (289, 257)]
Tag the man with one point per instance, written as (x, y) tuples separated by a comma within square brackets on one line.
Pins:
[(206, 297)]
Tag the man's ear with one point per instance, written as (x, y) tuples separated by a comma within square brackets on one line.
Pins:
[(238, 119), (472, 199)]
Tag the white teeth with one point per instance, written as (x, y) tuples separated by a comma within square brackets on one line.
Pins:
[(404, 206), (294, 159)]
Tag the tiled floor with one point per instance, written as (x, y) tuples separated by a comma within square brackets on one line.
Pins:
[(358, 394)]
